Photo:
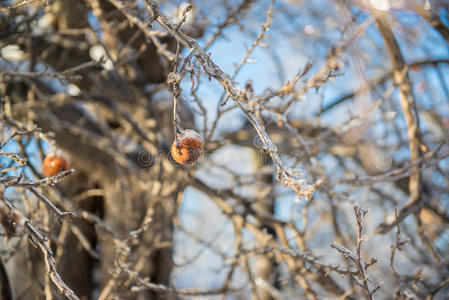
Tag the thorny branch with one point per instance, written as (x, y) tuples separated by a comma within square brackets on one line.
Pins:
[(42, 242), (287, 175), (363, 279), (50, 261)]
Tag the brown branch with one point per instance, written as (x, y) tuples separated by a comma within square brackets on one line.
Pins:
[(437, 289), (63, 75), (435, 21), (50, 261), (231, 18), (402, 80), (144, 284), (20, 4), (47, 181), (397, 246), (61, 215), (429, 159), (378, 81)]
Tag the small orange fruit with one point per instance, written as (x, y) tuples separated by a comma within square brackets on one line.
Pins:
[(187, 147), (53, 164)]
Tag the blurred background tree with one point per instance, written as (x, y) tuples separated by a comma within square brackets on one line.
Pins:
[(324, 174)]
